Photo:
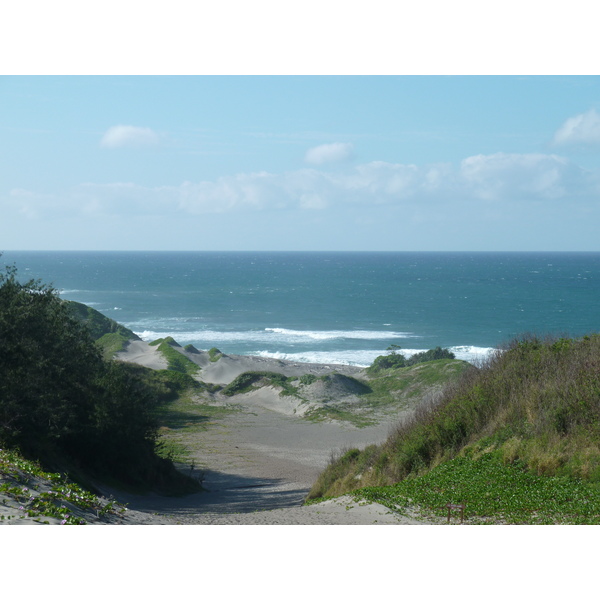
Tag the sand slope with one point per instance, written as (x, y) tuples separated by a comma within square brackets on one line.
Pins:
[(257, 462)]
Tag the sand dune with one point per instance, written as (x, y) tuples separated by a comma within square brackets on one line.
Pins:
[(258, 461)]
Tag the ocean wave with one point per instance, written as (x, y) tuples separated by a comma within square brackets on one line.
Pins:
[(365, 358), (355, 358), (271, 335), (262, 342), (336, 335), (204, 336), (470, 353)]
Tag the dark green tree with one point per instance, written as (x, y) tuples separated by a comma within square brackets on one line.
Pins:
[(59, 397)]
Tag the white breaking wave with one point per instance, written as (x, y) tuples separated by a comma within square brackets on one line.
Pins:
[(336, 335), (470, 353), (280, 338), (356, 358), (365, 358), (61, 292), (271, 335)]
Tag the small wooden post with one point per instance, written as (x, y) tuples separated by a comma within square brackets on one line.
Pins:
[(450, 506)]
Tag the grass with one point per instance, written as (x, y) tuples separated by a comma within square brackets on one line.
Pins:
[(110, 343), (98, 324), (339, 413), (181, 421), (251, 380), (392, 390), (214, 354), (517, 439), (175, 360), (391, 386)]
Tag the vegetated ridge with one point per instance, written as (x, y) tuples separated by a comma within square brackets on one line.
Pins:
[(64, 404), (517, 440), (107, 333)]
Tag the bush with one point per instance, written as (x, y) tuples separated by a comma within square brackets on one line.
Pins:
[(433, 354), (60, 398), (388, 361), (245, 382), (536, 399)]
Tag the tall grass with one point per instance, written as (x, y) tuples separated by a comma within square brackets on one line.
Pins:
[(536, 401)]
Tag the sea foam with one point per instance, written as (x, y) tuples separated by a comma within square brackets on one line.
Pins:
[(365, 358), (270, 335)]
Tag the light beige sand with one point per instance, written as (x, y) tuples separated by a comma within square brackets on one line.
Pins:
[(143, 354), (259, 461)]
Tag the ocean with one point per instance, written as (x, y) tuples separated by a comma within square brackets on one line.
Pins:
[(330, 307)]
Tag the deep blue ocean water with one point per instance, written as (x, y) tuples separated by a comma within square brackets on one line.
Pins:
[(330, 307)]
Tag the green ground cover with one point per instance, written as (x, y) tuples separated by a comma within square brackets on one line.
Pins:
[(517, 439), (176, 361), (493, 492)]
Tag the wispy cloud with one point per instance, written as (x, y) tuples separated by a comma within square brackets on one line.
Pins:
[(327, 153), (128, 135), (583, 129), (497, 180), (521, 176)]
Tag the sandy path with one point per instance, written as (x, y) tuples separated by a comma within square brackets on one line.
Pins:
[(258, 467), (259, 462)]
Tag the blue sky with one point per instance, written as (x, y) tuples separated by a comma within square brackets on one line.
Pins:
[(300, 162)]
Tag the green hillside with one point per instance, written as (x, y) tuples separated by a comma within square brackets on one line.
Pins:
[(505, 438), (63, 403), (108, 334)]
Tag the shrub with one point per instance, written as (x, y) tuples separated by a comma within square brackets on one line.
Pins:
[(60, 400), (436, 353), (536, 399)]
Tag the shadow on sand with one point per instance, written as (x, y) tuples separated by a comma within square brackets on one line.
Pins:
[(224, 494)]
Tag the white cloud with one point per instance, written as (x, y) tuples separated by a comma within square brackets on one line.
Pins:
[(514, 176), (327, 153), (583, 129), (501, 181), (127, 135)]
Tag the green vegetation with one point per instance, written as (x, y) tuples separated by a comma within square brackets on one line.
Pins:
[(214, 354), (62, 403), (111, 343), (182, 420), (42, 494), (109, 335), (493, 492), (402, 387), (97, 323), (389, 391), (176, 360), (246, 383), (385, 393), (394, 360), (529, 417)]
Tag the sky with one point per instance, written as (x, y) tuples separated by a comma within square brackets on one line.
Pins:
[(390, 162)]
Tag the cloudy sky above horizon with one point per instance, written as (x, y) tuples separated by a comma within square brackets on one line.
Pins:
[(300, 163)]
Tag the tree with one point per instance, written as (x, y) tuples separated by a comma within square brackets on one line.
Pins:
[(47, 360), (59, 397)]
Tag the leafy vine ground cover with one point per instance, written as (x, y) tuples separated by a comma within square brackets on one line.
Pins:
[(40, 495), (493, 493)]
